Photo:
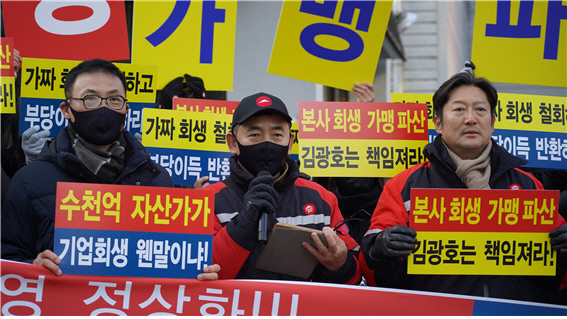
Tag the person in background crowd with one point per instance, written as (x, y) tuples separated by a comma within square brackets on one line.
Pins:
[(18, 151), (264, 179), (552, 180), (13, 157), (357, 196), (463, 155), (192, 88), (557, 180)]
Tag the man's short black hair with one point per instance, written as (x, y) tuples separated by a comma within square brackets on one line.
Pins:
[(92, 66), (443, 94)]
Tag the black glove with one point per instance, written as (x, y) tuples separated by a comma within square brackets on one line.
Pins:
[(196, 86), (193, 88), (261, 197), (559, 239), (395, 241)]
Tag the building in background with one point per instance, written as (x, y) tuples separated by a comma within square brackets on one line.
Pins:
[(438, 44)]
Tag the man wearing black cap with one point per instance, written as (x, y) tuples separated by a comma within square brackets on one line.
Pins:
[(264, 181)]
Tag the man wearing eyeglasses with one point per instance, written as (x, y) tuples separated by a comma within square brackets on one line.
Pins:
[(93, 148)]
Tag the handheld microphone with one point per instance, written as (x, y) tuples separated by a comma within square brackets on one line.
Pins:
[(263, 229), (263, 224)]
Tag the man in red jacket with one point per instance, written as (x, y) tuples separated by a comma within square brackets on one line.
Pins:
[(463, 155), (265, 180)]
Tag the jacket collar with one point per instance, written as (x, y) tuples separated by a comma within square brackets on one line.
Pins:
[(500, 159), (60, 152), (243, 179)]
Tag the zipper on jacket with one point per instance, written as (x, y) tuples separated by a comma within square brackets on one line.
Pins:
[(132, 170)]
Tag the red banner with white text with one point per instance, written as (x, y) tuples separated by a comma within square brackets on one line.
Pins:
[(33, 290)]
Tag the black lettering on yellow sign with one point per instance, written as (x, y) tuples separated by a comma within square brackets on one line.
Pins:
[(552, 113), (139, 83), (499, 252), (8, 97), (324, 157), (189, 129), (41, 77), (388, 157), (435, 252)]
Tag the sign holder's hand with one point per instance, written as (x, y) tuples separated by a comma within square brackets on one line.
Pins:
[(32, 142), (395, 241), (201, 182), (333, 257), (49, 260), (209, 273), (364, 92)]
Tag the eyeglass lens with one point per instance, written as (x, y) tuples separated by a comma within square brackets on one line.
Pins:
[(93, 101)]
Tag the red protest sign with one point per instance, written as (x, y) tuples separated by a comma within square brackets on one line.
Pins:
[(68, 30), (134, 208), (355, 120), (475, 210), (7, 57), (202, 105)]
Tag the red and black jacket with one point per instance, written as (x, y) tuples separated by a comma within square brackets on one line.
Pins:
[(235, 241), (439, 172)]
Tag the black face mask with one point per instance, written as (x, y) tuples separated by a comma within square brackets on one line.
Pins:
[(100, 126), (265, 156)]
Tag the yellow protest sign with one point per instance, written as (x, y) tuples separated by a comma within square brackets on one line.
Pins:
[(224, 107), (7, 80), (483, 232), (43, 90), (8, 95), (522, 42), (361, 139), (535, 113), (141, 82), (467, 253), (334, 43), (185, 130), (295, 147), (359, 158), (190, 142), (194, 37), (532, 127), (45, 78)]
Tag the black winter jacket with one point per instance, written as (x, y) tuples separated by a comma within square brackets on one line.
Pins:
[(28, 213)]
